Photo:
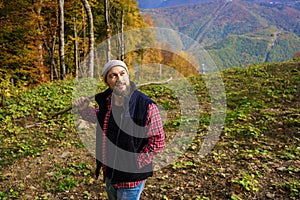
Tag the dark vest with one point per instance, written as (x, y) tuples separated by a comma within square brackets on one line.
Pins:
[(126, 137)]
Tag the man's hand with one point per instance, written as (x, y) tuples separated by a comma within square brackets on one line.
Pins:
[(82, 103)]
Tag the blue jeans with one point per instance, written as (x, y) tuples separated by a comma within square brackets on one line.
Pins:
[(124, 193)]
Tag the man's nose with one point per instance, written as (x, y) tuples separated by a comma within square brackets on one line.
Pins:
[(119, 77)]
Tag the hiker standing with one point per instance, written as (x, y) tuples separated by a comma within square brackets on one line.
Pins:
[(129, 133)]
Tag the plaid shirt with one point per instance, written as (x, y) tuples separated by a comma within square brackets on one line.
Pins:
[(155, 133)]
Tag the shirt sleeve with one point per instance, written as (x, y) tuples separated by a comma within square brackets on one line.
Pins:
[(89, 114), (156, 136)]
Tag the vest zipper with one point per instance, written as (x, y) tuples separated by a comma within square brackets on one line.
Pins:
[(116, 148)]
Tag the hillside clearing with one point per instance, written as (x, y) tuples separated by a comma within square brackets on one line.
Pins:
[(257, 156)]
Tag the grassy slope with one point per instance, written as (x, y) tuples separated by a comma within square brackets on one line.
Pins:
[(256, 157), (242, 50)]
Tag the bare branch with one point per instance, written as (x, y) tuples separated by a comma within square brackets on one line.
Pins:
[(155, 83)]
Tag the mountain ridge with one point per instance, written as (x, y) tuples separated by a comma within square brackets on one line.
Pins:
[(146, 4), (149, 4), (213, 22)]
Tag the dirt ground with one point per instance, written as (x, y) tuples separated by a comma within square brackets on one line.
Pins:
[(211, 177)]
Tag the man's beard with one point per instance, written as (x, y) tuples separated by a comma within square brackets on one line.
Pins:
[(123, 92)]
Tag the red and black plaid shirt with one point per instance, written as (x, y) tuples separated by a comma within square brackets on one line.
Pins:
[(155, 133)]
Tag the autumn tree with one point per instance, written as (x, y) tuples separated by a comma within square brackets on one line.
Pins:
[(18, 55), (124, 15)]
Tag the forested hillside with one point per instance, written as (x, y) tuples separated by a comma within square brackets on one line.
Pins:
[(49, 40), (256, 156), (237, 33)]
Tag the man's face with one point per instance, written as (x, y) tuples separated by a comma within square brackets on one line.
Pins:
[(118, 81)]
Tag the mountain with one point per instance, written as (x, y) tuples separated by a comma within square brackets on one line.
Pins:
[(144, 4), (165, 3), (236, 32)]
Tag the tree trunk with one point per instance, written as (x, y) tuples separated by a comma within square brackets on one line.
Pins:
[(119, 40), (38, 9), (120, 33), (108, 31), (91, 38), (122, 37), (83, 62), (53, 65), (76, 56), (61, 39)]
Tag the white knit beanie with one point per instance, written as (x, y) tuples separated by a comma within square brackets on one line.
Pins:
[(110, 64)]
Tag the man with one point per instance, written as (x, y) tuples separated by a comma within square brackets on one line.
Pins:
[(129, 133)]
